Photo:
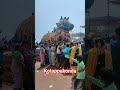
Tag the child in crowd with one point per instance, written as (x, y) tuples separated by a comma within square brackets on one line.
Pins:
[(42, 55), (80, 71), (106, 81)]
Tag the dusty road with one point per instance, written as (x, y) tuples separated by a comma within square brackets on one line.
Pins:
[(48, 82), (51, 81)]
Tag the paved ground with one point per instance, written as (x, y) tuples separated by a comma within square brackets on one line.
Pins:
[(51, 81)]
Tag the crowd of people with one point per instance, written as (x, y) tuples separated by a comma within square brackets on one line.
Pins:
[(102, 62), (97, 66), (59, 55), (17, 62), (93, 61)]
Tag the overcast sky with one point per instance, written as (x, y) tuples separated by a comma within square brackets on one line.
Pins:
[(48, 13)]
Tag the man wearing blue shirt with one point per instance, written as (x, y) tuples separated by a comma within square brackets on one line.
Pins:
[(115, 50), (66, 57)]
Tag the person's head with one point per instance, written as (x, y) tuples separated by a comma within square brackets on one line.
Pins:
[(42, 46), (72, 44), (79, 58), (107, 76), (99, 43), (117, 32), (67, 45), (76, 44), (89, 44), (17, 48)]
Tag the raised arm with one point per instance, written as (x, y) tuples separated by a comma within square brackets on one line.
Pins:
[(74, 60)]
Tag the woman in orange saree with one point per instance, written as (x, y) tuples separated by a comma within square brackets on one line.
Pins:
[(98, 58)]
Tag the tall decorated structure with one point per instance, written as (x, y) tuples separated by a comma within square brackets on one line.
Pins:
[(59, 33), (26, 31)]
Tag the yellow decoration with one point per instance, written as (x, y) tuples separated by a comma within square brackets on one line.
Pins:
[(26, 28), (63, 33), (58, 30)]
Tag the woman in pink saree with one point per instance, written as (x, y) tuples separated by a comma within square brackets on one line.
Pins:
[(42, 55)]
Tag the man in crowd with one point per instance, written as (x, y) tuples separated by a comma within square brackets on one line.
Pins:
[(115, 50)]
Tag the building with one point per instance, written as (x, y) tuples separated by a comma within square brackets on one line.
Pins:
[(102, 26)]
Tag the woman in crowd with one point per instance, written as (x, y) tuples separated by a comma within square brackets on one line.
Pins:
[(28, 71), (46, 56), (59, 51), (42, 55), (98, 58), (49, 55), (53, 53), (17, 68)]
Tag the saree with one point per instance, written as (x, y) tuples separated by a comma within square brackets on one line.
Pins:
[(92, 62), (42, 54), (17, 69), (72, 55)]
